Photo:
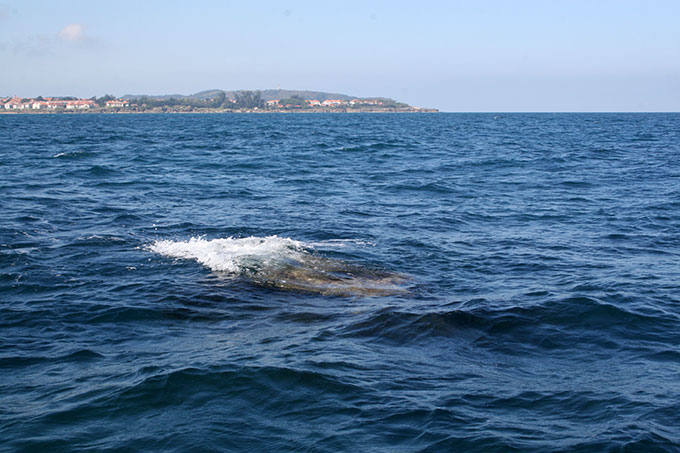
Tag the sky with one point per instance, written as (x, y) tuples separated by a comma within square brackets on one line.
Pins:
[(459, 56)]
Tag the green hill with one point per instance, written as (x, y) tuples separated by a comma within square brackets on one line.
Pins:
[(267, 95)]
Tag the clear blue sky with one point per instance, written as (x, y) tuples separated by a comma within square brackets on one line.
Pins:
[(493, 55)]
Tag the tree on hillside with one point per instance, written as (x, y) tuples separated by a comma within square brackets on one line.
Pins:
[(101, 102), (219, 100), (293, 100), (249, 99)]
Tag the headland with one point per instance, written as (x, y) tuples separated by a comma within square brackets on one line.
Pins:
[(212, 101)]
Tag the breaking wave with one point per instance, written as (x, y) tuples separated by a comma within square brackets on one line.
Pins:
[(284, 263)]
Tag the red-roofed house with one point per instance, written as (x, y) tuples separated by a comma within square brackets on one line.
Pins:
[(14, 104), (80, 104), (333, 102), (118, 103)]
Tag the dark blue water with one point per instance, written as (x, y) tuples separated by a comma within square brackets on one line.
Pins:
[(443, 282)]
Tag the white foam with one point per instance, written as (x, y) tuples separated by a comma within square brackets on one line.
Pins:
[(232, 255), (332, 243), (70, 154)]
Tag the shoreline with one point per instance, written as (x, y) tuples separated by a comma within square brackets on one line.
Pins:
[(203, 111)]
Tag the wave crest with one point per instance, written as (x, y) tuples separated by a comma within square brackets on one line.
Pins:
[(230, 255)]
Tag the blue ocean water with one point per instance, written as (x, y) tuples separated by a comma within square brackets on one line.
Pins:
[(330, 282)]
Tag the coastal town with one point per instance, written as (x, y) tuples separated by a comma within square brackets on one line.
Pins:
[(241, 102), (40, 103)]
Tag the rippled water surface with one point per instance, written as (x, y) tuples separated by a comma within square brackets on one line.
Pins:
[(442, 282)]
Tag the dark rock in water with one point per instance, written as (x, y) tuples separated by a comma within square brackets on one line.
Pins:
[(286, 264), (331, 277)]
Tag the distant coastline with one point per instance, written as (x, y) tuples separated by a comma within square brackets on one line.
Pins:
[(157, 111), (211, 101)]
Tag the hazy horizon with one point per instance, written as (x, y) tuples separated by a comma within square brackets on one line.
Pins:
[(563, 56)]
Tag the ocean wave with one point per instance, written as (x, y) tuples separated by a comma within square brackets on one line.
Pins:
[(79, 355), (73, 154), (563, 323), (284, 263)]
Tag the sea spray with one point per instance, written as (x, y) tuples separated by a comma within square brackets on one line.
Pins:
[(231, 255)]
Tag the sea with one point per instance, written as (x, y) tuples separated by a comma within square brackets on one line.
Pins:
[(340, 282)]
